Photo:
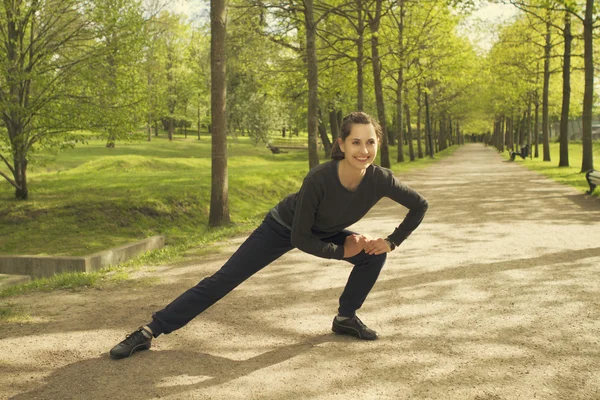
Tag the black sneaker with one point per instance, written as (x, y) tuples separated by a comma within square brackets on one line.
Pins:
[(132, 343), (353, 327)]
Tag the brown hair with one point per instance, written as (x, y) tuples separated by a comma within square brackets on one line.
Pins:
[(357, 117)]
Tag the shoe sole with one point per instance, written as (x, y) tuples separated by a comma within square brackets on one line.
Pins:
[(350, 332), (139, 347)]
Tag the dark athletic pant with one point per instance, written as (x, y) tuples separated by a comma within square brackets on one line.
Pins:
[(266, 244)]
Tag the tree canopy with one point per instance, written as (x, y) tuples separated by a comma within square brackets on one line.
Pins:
[(118, 67)]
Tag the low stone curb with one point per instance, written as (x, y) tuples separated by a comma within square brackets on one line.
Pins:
[(46, 266)]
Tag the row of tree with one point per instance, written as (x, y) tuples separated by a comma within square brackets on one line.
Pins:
[(112, 66), (550, 39)]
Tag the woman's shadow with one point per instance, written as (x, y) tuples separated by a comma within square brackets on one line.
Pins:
[(151, 374)]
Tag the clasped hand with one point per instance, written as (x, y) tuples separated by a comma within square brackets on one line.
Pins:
[(354, 244)]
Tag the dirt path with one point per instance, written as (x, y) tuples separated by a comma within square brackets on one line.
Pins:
[(495, 296)]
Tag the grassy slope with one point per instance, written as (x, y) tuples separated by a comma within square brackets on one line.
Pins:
[(566, 175), (92, 198)]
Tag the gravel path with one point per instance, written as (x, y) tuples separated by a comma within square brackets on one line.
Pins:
[(494, 297)]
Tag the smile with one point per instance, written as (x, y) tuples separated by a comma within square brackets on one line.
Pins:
[(362, 159)]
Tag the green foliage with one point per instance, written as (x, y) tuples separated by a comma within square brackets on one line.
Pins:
[(115, 78), (91, 198), (516, 66)]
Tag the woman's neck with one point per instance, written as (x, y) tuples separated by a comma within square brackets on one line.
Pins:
[(350, 177)]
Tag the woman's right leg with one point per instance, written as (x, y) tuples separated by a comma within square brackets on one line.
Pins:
[(266, 244)]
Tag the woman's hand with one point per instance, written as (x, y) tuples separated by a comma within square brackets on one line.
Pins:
[(377, 246), (354, 244)]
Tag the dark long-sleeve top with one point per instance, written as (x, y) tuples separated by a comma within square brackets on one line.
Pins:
[(324, 207)]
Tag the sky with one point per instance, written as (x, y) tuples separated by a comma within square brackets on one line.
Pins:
[(189, 7), (479, 27)]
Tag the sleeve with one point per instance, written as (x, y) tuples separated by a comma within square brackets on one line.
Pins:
[(307, 204), (409, 198)]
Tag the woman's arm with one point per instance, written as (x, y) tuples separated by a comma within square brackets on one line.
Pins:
[(307, 204), (416, 204)]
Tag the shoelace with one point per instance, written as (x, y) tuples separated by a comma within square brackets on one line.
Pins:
[(360, 323), (130, 338)]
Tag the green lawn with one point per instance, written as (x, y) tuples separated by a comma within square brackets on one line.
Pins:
[(567, 175), (91, 198)]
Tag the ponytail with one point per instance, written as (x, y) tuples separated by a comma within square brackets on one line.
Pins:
[(336, 151)]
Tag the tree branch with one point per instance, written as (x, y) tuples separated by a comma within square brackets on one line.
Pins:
[(10, 180), (7, 164)]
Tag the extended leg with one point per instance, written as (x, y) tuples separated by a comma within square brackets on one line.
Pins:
[(267, 243)]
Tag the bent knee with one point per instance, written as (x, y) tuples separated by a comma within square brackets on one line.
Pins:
[(379, 258)]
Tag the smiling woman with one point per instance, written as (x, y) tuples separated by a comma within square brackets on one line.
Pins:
[(333, 196), (356, 148)]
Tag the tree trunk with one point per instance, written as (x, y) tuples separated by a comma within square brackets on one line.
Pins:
[(566, 95), (428, 127), (19, 168), (411, 149), (399, 116), (545, 114), (111, 140), (219, 202), (419, 113), (324, 138), (149, 123), (374, 25), (529, 126), (313, 83), (171, 127), (333, 124), (507, 136), (442, 134), (198, 116), (360, 58), (587, 162), (503, 136), (537, 129)]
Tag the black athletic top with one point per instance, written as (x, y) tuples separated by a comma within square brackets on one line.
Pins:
[(324, 207)]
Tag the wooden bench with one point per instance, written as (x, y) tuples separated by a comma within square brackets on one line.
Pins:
[(523, 154), (275, 150), (289, 143), (593, 179)]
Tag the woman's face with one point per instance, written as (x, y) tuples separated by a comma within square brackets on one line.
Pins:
[(360, 147)]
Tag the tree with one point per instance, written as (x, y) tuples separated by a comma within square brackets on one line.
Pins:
[(219, 204), (584, 11), (564, 116), (587, 162), (46, 46), (374, 22), (116, 77)]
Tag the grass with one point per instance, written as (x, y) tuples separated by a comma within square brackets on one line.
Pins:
[(10, 313), (566, 175), (91, 198)]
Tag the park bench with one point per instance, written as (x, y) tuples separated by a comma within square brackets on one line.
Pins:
[(593, 179), (276, 144), (274, 149), (523, 154)]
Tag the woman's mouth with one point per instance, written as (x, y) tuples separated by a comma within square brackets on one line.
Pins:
[(362, 159)]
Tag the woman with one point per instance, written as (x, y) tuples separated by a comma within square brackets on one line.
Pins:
[(333, 196)]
